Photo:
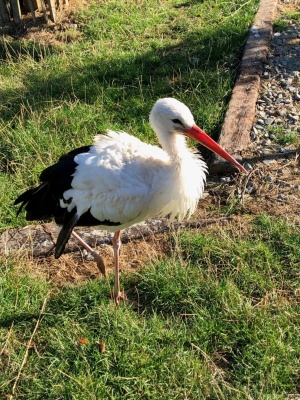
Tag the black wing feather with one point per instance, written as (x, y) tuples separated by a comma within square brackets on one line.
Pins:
[(43, 202), (65, 232)]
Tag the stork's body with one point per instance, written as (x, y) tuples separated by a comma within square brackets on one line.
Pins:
[(119, 180)]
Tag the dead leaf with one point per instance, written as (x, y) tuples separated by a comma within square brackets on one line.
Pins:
[(83, 341)]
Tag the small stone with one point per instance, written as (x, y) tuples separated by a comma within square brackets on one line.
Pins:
[(250, 190), (225, 179), (266, 142), (268, 121), (266, 152), (292, 35), (253, 136), (262, 114), (267, 162), (265, 99), (283, 171), (269, 178), (281, 197), (281, 182), (238, 193), (292, 89), (258, 127), (282, 112), (297, 96), (293, 118), (247, 166), (283, 83)]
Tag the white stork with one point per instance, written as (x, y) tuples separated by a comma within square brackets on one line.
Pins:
[(120, 180)]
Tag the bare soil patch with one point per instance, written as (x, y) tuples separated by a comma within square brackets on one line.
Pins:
[(65, 29)]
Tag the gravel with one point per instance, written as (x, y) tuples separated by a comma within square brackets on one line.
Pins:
[(278, 104)]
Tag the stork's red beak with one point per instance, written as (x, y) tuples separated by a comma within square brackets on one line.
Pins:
[(200, 136)]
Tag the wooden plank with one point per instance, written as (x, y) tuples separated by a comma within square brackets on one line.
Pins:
[(32, 4), (4, 16), (36, 4), (51, 4), (44, 10), (15, 5), (32, 10), (235, 133)]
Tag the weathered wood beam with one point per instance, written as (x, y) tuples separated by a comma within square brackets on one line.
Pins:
[(44, 10), (32, 10), (15, 5), (51, 4), (235, 133), (4, 16)]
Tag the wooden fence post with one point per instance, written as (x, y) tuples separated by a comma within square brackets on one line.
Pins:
[(11, 8), (16, 10), (4, 16), (51, 4)]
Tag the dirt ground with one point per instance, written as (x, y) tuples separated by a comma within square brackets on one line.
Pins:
[(274, 183)]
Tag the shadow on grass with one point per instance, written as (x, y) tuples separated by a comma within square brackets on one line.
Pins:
[(189, 70), (18, 319)]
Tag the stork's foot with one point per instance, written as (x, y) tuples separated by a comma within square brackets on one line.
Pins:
[(99, 262), (120, 296)]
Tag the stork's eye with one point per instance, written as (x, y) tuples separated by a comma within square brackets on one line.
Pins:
[(177, 121)]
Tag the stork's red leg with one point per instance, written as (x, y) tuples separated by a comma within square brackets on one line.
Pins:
[(116, 241), (97, 257)]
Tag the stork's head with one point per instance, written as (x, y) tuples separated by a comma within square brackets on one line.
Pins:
[(170, 117)]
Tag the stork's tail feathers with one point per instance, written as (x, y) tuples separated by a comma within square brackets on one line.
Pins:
[(37, 202), (65, 233)]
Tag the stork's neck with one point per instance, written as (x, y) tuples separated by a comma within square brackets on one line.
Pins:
[(174, 144)]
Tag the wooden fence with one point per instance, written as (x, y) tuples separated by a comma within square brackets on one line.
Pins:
[(12, 10)]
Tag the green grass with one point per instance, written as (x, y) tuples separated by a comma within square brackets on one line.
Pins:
[(295, 15), (213, 323), (280, 25), (283, 22), (283, 136)]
